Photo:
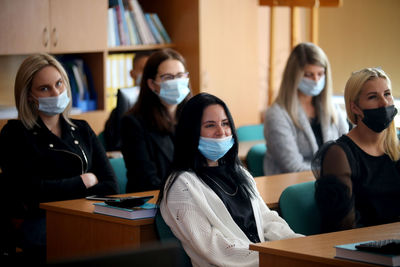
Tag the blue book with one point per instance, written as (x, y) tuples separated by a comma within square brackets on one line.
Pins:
[(116, 31), (135, 29), (160, 26), (350, 252), (154, 29), (147, 210)]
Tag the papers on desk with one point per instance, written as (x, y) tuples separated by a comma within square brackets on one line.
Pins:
[(147, 210), (350, 252)]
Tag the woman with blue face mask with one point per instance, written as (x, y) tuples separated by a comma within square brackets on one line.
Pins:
[(303, 116), (46, 156), (147, 130), (210, 201), (358, 175)]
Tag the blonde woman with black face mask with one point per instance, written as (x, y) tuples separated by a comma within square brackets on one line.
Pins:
[(359, 174), (46, 156)]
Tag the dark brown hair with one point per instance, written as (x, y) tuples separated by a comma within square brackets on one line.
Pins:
[(149, 107)]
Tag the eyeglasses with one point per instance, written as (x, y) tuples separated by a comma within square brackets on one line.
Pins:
[(168, 76)]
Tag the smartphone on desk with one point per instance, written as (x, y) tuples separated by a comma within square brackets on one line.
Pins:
[(122, 202), (99, 197), (128, 202)]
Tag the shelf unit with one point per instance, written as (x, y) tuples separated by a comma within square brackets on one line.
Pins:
[(223, 61), (77, 27)]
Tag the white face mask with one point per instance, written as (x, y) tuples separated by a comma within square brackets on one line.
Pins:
[(174, 91), (54, 105), (138, 80), (311, 87)]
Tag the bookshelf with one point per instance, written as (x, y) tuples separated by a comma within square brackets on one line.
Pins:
[(209, 41), (41, 27)]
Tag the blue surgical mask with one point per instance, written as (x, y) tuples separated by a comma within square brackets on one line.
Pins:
[(138, 79), (54, 105), (311, 87), (174, 91), (215, 148)]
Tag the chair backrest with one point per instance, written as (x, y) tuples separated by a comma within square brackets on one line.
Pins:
[(299, 208), (255, 159), (102, 140), (166, 236), (119, 167), (250, 132)]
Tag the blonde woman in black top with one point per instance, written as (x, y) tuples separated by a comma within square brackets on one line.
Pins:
[(359, 174)]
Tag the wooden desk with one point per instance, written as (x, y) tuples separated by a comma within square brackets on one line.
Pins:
[(73, 229), (318, 250), (271, 187)]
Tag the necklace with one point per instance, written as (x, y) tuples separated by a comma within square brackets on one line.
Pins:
[(229, 194)]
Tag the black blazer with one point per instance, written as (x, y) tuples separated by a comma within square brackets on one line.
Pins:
[(147, 153), (39, 167)]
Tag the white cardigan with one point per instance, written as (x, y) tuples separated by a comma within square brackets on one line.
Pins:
[(209, 235)]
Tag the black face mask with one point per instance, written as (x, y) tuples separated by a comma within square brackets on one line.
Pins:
[(378, 119)]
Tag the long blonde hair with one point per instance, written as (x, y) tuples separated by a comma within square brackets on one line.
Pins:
[(303, 54), (352, 91), (27, 110)]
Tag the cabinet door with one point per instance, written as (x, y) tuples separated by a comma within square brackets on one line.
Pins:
[(24, 26), (78, 25)]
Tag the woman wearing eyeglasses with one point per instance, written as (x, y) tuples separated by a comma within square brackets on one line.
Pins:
[(148, 128)]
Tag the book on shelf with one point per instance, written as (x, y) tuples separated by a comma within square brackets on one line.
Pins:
[(113, 27), (135, 27), (122, 25), (84, 96), (118, 67), (110, 28), (147, 210), (160, 27), (133, 36), (143, 28), (154, 29), (351, 252), (129, 25)]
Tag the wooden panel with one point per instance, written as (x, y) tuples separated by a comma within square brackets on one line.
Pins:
[(229, 56), (24, 26), (74, 230), (96, 119), (302, 3), (314, 25), (183, 30), (90, 17), (84, 236)]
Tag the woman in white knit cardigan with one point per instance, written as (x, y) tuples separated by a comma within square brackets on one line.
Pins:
[(210, 201)]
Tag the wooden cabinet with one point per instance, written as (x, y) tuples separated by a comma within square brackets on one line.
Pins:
[(219, 40), (53, 26), (24, 26), (219, 44), (78, 25)]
